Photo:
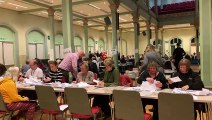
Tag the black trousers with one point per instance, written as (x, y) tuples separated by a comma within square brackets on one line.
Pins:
[(31, 94), (103, 102)]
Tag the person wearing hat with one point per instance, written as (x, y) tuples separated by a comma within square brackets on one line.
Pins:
[(178, 55)]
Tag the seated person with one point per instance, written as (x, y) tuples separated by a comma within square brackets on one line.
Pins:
[(111, 78), (10, 95), (190, 80), (25, 67), (150, 75), (112, 75), (54, 75), (34, 71), (125, 80), (14, 71), (93, 67), (85, 75)]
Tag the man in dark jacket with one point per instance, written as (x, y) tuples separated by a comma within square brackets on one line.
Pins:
[(178, 55)]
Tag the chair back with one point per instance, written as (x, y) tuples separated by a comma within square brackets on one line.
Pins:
[(128, 105), (2, 104), (46, 98), (95, 76), (125, 80), (175, 106), (77, 100)]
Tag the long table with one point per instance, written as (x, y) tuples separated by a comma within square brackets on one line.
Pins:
[(109, 91), (207, 100)]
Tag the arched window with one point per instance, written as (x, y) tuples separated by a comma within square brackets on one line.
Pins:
[(7, 48), (59, 45), (193, 41), (101, 45), (124, 47), (91, 45), (193, 46), (77, 43), (160, 43), (173, 43), (36, 46)]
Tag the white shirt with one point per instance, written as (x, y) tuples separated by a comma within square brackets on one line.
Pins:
[(37, 73)]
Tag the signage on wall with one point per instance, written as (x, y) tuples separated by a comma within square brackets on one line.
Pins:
[(2, 38), (66, 51), (113, 52)]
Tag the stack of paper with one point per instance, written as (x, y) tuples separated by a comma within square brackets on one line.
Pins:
[(149, 86), (175, 79), (96, 81), (83, 84), (133, 88), (33, 82), (202, 92)]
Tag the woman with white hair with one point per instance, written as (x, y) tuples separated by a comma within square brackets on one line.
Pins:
[(13, 72), (10, 94)]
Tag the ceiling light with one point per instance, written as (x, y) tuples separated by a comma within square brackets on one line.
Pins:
[(17, 5), (104, 2), (2, 1), (94, 6)]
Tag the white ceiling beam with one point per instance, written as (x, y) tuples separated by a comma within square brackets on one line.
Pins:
[(44, 6), (143, 9), (37, 3), (102, 16)]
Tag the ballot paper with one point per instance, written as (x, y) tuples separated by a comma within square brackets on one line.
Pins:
[(96, 81), (175, 79), (202, 92), (147, 86), (83, 84)]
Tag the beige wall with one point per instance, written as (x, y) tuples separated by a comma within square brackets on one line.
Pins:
[(23, 23), (185, 35)]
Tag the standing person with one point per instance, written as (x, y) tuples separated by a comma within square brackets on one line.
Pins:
[(150, 56), (69, 64), (178, 55)]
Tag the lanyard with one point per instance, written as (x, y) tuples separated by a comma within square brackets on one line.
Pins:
[(33, 72)]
